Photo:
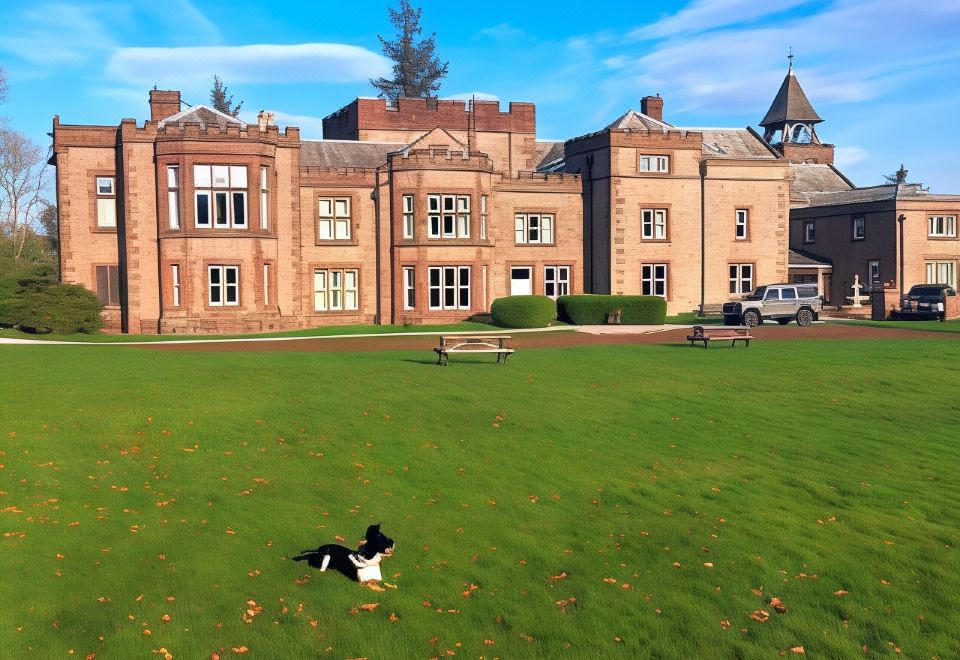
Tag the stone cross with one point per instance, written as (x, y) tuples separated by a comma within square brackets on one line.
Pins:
[(857, 298)]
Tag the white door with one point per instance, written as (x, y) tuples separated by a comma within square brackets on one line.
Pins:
[(521, 281)]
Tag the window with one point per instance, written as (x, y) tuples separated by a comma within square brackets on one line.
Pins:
[(859, 228), (408, 216), (942, 226), (264, 199), (409, 288), (106, 202), (173, 196), (335, 290), (220, 193), (654, 224), (521, 281), (334, 219), (742, 216), (873, 270), (556, 281), (653, 280), (448, 216), (108, 285), (223, 285), (449, 287), (534, 228), (175, 284), (809, 232), (654, 163), (741, 278), (266, 284), (788, 294), (483, 217), (942, 272)]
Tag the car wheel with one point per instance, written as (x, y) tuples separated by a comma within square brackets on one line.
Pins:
[(752, 318), (783, 321), (804, 318)]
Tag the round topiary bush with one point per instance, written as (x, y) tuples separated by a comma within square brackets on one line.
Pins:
[(60, 308), (593, 309), (524, 311)]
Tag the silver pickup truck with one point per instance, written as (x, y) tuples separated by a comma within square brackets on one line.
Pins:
[(778, 302)]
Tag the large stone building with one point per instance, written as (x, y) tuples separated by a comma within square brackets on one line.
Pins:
[(427, 211)]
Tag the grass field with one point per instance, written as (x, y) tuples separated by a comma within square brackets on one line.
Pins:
[(629, 501), (934, 326)]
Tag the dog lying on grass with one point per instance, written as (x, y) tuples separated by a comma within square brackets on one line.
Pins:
[(361, 565)]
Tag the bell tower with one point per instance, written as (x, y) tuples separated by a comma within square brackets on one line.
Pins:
[(790, 124)]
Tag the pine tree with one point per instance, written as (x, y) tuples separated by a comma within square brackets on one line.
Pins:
[(220, 100), (417, 71)]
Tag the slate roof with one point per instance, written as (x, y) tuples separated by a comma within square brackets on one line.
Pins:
[(345, 153), (801, 258), (790, 104), (732, 143), (637, 121), (549, 156), (203, 115)]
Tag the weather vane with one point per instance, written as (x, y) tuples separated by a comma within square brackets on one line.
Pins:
[(790, 57)]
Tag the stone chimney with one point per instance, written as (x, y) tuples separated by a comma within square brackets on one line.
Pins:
[(652, 106), (163, 104), (265, 119)]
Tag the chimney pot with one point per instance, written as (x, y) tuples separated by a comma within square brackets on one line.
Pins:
[(163, 103)]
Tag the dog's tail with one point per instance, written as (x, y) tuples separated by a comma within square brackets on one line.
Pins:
[(306, 554), (309, 556)]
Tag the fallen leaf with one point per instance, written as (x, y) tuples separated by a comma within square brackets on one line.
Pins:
[(840, 592), (369, 607), (798, 650)]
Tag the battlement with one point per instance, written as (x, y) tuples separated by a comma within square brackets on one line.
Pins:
[(420, 114), (151, 131), (443, 159), (528, 180)]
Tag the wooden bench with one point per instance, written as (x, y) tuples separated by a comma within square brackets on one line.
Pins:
[(733, 333), (473, 344)]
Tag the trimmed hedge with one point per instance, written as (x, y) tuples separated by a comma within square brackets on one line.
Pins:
[(59, 308), (593, 309), (524, 311)]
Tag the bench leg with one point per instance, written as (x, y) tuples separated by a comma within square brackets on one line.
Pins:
[(441, 359), (502, 358)]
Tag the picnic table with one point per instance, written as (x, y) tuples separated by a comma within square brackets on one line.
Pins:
[(472, 344)]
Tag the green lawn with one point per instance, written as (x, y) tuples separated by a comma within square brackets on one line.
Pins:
[(934, 326), (644, 504)]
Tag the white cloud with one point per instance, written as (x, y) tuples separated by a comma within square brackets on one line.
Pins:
[(705, 15), (466, 96), (846, 156), (502, 31), (55, 35), (259, 63)]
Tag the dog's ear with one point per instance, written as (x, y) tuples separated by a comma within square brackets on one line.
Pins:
[(373, 529)]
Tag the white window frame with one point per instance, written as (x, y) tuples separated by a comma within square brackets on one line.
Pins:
[(266, 283), (175, 284), (215, 181), (448, 216), (942, 226), (409, 288), (738, 279), (264, 198), (654, 163), (873, 264), (935, 268), (534, 229), (339, 223), (407, 206), (483, 217), (106, 190), (173, 196), (653, 280), (458, 285), (859, 222), (742, 224), (653, 224), (337, 291), (223, 286), (809, 232), (558, 280)]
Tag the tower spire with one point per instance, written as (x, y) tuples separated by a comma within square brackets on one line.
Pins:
[(790, 60)]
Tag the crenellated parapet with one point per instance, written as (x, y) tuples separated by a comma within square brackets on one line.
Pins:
[(540, 181), (420, 114)]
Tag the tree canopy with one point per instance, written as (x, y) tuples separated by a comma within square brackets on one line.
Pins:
[(221, 101), (417, 71)]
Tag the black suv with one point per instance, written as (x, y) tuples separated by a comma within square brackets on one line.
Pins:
[(925, 301)]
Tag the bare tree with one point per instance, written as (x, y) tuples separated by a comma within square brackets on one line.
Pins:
[(23, 173), (220, 100), (417, 71), (3, 85)]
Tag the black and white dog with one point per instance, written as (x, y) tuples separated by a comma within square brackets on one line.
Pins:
[(362, 565)]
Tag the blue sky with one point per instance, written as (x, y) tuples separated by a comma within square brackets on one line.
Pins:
[(884, 74)]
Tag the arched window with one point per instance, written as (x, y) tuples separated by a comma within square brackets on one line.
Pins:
[(800, 134)]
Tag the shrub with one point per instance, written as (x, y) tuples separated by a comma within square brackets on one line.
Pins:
[(593, 309), (523, 311), (59, 308)]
